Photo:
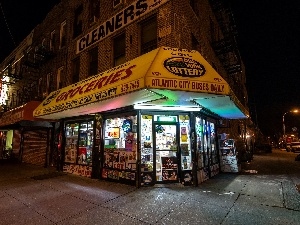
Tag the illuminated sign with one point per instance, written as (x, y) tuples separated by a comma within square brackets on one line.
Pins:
[(165, 118), (114, 132), (4, 90), (184, 67), (123, 18)]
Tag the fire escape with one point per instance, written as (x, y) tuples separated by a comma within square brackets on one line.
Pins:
[(21, 76), (226, 47)]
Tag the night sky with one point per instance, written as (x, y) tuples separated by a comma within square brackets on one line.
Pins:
[(268, 39)]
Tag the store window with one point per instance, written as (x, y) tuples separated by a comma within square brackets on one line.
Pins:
[(185, 147), (212, 137), (119, 50), (205, 145), (201, 153), (93, 61), (207, 153), (148, 35), (79, 143), (120, 149), (146, 150)]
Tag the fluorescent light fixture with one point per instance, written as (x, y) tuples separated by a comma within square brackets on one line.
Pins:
[(168, 108)]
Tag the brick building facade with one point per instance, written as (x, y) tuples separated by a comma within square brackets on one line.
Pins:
[(79, 39)]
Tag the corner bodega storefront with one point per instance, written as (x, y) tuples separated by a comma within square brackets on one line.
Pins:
[(141, 122)]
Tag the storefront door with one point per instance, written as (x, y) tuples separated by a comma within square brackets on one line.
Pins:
[(166, 152)]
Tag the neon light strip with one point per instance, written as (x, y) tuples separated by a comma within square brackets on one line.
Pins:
[(167, 108)]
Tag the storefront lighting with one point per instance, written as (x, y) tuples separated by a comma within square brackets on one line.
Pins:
[(168, 108)]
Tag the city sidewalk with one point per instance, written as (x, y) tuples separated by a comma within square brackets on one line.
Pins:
[(35, 195)]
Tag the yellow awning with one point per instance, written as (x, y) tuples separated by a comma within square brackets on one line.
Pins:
[(164, 73)]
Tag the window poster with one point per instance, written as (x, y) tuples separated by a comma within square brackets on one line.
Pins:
[(187, 178), (184, 149), (120, 160), (169, 162), (129, 141), (146, 178), (118, 175), (184, 137), (169, 174)]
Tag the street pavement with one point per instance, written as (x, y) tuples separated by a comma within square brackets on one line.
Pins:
[(264, 192)]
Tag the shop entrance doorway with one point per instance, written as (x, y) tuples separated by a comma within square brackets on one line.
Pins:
[(166, 152)]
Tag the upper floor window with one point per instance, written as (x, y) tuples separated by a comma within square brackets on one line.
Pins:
[(75, 70), (94, 11), (119, 50), (49, 83), (62, 34), (195, 43), (192, 4), (148, 35), (194, 7), (117, 3), (52, 41), (77, 30), (60, 73), (213, 33), (40, 87), (11, 69), (44, 44), (93, 61)]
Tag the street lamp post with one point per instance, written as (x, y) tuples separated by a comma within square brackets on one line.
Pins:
[(283, 124)]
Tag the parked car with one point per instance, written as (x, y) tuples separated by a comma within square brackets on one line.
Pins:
[(288, 147), (263, 147), (295, 146)]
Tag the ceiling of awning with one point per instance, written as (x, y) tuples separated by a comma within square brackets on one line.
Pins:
[(225, 106), (221, 105), (106, 105)]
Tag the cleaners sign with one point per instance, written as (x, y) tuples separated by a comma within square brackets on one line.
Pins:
[(126, 16)]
